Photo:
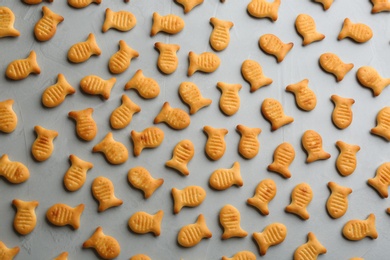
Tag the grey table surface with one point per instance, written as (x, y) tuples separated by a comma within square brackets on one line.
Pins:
[(45, 183)]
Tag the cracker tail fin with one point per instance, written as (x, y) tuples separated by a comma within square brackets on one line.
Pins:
[(201, 221), (93, 44), (161, 116), (287, 47), (157, 184), (137, 76), (345, 30), (237, 174), (157, 219), (156, 24), (75, 222), (371, 223), (193, 63), (177, 205), (138, 147), (92, 240), (108, 21), (32, 58)]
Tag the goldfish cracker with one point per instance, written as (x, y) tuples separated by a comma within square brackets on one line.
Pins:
[(140, 178), (381, 181), (272, 235), (142, 222), (253, 73), (25, 218), (192, 234), (55, 94), (121, 20), (304, 97), (8, 118), (223, 179), (368, 77), (246, 255), (35, 2), (107, 247), (382, 128), (301, 196), (14, 172), (140, 257), (82, 3), (331, 63), (82, 51), (176, 118), (229, 102), (249, 145), (264, 193), (309, 250), (306, 27), (272, 110), (188, 5), (122, 115), (380, 6), (20, 69), (342, 113), (115, 152), (46, 27), (121, 60), (312, 143), (61, 214), (325, 3), (170, 24), (182, 155), (337, 203), (230, 218), (146, 87), (358, 229), (43, 146), (7, 20), (86, 127), (264, 8), (272, 45), (191, 95), (220, 36), (190, 196), (358, 32), (215, 145), (167, 60), (284, 155), (76, 175), (150, 137), (346, 161), (8, 253), (94, 85), (206, 62), (103, 192)]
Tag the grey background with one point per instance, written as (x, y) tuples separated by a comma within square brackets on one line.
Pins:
[(45, 183)]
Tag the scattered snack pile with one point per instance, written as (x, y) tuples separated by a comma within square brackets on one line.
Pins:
[(176, 119)]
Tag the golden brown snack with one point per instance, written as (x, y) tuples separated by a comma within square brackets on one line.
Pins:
[(55, 94), (220, 36), (46, 27), (150, 137), (182, 155), (272, 45), (325, 3), (301, 196), (142, 222), (381, 181), (121, 20), (229, 103), (176, 118), (253, 73), (192, 234), (190, 196), (7, 20), (35, 2), (8, 118), (122, 115), (115, 152), (249, 145), (331, 63), (306, 27), (190, 94), (14, 172), (346, 161), (356, 31), (312, 143), (215, 146), (43, 146), (264, 8), (107, 247), (61, 214), (86, 127), (140, 257), (337, 203), (206, 62), (272, 110), (82, 51), (356, 258), (383, 124), (76, 175), (25, 218), (284, 155), (146, 87), (103, 192), (246, 255), (358, 229), (230, 218), (82, 3), (342, 113), (272, 235), (8, 253), (167, 61), (309, 250), (170, 24), (141, 179), (222, 179), (120, 60), (264, 193), (188, 5), (95, 85), (20, 69), (370, 78), (380, 6), (62, 256), (304, 97)]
